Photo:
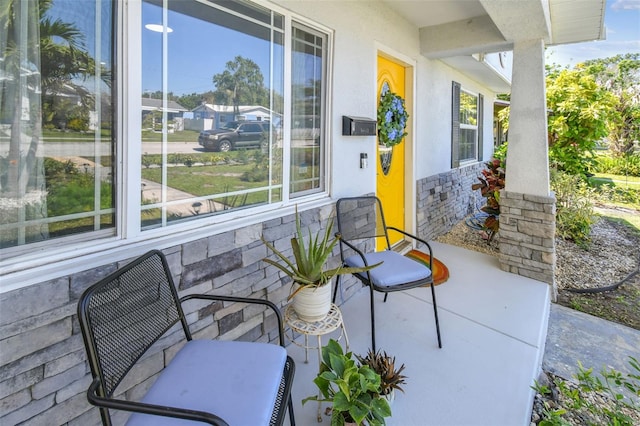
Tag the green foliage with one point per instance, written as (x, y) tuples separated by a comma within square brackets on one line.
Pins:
[(186, 159), (491, 183), (574, 209), (310, 258), (608, 191), (620, 75), (384, 365), (625, 165), (354, 390), (260, 170), (580, 110), (241, 83), (579, 398), (392, 119), (71, 191), (501, 153)]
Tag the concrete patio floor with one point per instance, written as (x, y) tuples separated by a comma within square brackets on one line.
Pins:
[(493, 327)]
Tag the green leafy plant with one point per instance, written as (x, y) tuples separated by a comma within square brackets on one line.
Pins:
[(383, 364), (491, 183), (353, 390), (579, 112), (625, 165), (574, 209), (612, 386), (310, 258)]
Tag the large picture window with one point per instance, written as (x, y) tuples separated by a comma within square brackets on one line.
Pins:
[(56, 122), (213, 77), (213, 138), (466, 129), (232, 100)]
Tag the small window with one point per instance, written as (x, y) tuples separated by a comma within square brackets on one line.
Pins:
[(466, 129), (308, 87)]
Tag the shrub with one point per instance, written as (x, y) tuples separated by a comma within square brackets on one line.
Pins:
[(626, 165), (491, 183), (579, 398), (574, 210), (607, 193)]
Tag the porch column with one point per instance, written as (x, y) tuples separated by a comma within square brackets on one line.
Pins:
[(527, 206)]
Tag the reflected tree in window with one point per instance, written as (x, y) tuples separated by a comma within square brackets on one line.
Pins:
[(44, 62), (241, 83)]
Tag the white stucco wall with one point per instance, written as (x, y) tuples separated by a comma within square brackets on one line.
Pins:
[(361, 29)]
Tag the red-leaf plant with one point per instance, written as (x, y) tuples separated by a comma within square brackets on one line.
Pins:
[(491, 182)]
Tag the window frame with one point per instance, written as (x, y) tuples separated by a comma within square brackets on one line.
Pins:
[(87, 250), (133, 226), (457, 127), (324, 107)]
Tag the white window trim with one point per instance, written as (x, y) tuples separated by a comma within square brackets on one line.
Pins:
[(49, 262)]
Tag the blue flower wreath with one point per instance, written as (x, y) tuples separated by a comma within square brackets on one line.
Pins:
[(392, 118)]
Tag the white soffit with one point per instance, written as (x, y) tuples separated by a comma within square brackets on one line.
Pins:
[(575, 21), (572, 21), (461, 32)]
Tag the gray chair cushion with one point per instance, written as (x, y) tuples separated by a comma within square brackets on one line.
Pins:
[(228, 379), (396, 269)]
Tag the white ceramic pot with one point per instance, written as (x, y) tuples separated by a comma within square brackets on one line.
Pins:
[(312, 303)]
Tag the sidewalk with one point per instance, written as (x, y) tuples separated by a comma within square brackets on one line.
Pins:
[(574, 336)]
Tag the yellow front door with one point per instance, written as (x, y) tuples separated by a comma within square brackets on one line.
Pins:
[(390, 171)]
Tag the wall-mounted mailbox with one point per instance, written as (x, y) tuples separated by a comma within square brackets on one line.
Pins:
[(358, 126)]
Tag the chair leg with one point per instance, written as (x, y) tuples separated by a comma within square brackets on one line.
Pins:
[(292, 420), (435, 313), (373, 321)]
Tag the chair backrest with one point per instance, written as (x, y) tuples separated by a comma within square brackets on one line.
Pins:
[(124, 314), (361, 218)]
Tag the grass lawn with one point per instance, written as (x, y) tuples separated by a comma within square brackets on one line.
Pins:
[(207, 180), (627, 216), (72, 136), (623, 195), (183, 136), (632, 182)]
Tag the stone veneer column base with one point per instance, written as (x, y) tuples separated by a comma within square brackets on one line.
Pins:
[(527, 236)]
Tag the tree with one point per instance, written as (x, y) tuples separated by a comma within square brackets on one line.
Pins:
[(192, 100), (621, 76), (579, 113), (56, 56), (241, 83)]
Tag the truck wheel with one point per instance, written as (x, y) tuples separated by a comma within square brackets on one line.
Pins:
[(225, 145)]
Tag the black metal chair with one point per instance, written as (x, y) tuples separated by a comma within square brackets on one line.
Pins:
[(210, 381), (360, 223)]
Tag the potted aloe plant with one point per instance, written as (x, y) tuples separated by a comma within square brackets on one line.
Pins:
[(311, 292), (354, 390), (391, 378)]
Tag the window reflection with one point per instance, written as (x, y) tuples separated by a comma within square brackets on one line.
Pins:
[(211, 110), (56, 116), (307, 135), (468, 126)]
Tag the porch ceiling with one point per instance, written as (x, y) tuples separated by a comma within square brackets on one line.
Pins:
[(464, 27), (462, 32)]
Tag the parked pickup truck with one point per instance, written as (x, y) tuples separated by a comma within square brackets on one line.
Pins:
[(236, 135)]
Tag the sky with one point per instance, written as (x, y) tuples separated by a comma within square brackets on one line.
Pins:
[(622, 27)]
